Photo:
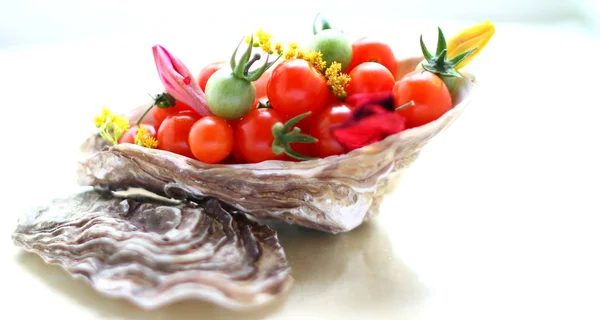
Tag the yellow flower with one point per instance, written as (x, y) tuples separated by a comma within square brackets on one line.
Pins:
[(101, 118), (263, 37), (144, 139), (111, 127), (278, 48), (316, 59), (474, 37), (336, 80)]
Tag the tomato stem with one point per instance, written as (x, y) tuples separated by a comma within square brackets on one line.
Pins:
[(241, 69), (284, 135), (163, 101), (406, 105), (250, 62), (324, 24)]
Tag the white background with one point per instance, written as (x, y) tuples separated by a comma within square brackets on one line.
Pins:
[(498, 218), (27, 22)]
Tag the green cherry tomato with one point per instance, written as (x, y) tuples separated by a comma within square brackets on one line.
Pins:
[(228, 96), (333, 45)]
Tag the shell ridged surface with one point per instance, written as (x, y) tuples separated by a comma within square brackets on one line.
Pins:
[(155, 252)]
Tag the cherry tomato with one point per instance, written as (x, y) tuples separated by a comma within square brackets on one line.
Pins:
[(236, 156), (321, 129), (333, 45), (429, 93), (370, 77), (211, 139), (261, 84), (229, 97), (208, 71), (296, 87), (174, 131), (369, 49), (160, 114), (253, 136), (129, 135)]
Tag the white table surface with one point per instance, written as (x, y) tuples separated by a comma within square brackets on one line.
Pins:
[(498, 218)]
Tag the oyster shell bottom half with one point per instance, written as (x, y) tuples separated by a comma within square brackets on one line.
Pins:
[(155, 253), (333, 194)]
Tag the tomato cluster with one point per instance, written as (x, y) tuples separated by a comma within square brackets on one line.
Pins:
[(293, 89)]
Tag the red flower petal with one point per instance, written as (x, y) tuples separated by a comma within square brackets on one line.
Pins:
[(372, 120)]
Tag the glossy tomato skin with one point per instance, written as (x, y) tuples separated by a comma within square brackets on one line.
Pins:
[(211, 139), (333, 114), (208, 71), (429, 93), (253, 136), (261, 84), (368, 49), (228, 96), (160, 114), (174, 131), (129, 135), (370, 77), (296, 87)]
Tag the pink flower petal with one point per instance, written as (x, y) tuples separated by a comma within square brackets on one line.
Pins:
[(179, 82)]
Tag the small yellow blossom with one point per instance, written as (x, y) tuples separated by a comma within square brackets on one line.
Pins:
[(316, 59), (278, 48), (336, 80), (110, 126), (263, 37), (266, 47), (263, 41), (144, 138), (101, 118)]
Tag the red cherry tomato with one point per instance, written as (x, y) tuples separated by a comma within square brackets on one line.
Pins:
[(370, 77), (211, 139), (161, 114), (208, 71), (174, 131), (321, 129), (369, 49), (253, 136), (261, 84), (296, 87), (129, 135), (429, 93)]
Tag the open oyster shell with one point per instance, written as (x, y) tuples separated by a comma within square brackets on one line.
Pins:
[(154, 252), (334, 194)]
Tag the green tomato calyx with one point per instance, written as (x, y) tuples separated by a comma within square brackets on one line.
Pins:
[(284, 135), (241, 68), (439, 63), (163, 101)]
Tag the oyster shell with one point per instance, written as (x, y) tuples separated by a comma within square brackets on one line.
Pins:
[(334, 194), (154, 252)]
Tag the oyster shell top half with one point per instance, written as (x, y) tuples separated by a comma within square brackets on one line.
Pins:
[(334, 194), (154, 253)]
